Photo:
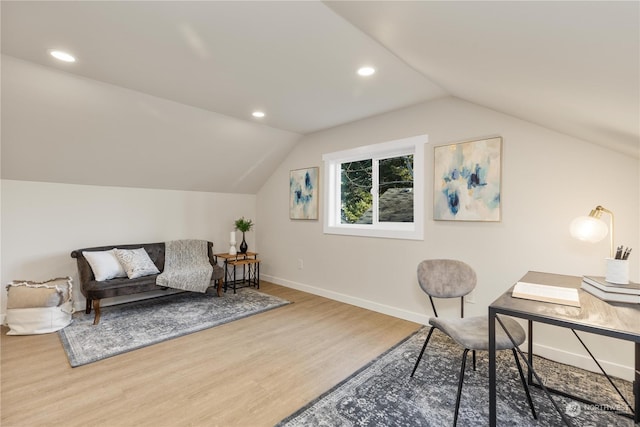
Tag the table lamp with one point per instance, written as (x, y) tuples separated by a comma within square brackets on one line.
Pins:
[(591, 228)]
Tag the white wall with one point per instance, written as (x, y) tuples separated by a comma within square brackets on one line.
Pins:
[(43, 222), (547, 179)]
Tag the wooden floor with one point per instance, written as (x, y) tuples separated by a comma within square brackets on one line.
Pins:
[(251, 372)]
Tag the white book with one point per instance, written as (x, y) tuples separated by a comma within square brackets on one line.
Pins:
[(547, 293), (610, 296), (599, 282)]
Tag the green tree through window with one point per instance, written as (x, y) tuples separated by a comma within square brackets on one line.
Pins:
[(376, 190), (393, 176), (356, 182)]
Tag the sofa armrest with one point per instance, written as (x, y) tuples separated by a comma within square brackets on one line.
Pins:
[(218, 273), (85, 273)]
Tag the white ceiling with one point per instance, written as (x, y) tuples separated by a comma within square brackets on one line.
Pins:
[(294, 60), (570, 66)]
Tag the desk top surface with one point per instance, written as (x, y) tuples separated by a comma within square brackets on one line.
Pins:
[(594, 315)]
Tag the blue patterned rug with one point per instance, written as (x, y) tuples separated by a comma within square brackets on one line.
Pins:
[(383, 394), (134, 325)]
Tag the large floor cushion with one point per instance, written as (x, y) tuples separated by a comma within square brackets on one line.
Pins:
[(39, 307)]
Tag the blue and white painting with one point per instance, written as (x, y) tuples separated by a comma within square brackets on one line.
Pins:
[(467, 181), (303, 194)]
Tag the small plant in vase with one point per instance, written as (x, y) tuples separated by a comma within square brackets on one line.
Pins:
[(243, 225)]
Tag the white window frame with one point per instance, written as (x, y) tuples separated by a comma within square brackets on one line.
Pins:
[(393, 230)]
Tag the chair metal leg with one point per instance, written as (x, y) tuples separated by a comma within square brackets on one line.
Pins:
[(473, 352), (422, 351), (460, 380), (524, 384)]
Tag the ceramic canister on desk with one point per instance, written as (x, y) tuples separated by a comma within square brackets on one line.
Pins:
[(617, 271)]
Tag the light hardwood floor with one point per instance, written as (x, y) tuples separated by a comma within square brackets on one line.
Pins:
[(251, 372)]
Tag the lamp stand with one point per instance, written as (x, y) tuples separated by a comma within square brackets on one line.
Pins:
[(597, 213)]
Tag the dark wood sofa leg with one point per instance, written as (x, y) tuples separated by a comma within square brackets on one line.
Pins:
[(219, 287), (88, 309), (96, 306)]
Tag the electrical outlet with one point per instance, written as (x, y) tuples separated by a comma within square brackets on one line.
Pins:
[(300, 264), (471, 297)]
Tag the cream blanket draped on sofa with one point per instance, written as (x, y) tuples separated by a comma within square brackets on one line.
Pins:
[(186, 266)]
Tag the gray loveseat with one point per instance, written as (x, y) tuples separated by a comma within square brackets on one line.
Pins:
[(95, 290)]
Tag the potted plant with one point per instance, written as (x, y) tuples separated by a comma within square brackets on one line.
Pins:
[(243, 225)]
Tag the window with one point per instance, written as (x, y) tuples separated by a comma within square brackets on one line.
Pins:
[(376, 190)]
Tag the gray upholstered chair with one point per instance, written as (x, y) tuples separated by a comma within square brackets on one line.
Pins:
[(446, 278)]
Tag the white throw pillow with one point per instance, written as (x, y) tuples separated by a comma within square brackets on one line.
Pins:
[(136, 262), (105, 264)]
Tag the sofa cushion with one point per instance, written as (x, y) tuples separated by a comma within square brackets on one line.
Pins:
[(136, 262), (119, 282), (120, 286), (104, 264)]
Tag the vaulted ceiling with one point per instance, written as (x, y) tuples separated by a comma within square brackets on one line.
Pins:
[(570, 66)]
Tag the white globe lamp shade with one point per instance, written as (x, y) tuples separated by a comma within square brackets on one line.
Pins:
[(588, 229)]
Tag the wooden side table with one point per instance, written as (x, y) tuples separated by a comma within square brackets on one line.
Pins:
[(250, 273), (250, 270)]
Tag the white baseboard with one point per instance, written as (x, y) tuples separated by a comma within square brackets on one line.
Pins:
[(422, 319), (562, 356), (584, 362)]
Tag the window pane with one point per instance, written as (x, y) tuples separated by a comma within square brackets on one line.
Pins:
[(355, 192), (396, 189)]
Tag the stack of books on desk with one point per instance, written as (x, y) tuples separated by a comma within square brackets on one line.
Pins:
[(611, 292)]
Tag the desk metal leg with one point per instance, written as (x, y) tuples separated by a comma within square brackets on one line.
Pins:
[(529, 366), (633, 414), (530, 352), (636, 385), (492, 368), (603, 372)]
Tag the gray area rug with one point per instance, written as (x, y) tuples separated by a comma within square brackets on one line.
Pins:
[(134, 325), (383, 394)]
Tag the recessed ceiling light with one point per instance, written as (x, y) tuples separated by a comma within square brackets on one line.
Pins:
[(62, 56), (258, 114), (366, 71)]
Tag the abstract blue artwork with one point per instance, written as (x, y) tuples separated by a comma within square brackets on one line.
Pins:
[(303, 193), (467, 181)]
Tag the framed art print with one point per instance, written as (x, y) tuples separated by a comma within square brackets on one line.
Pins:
[(467, 178), (303, 193)]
